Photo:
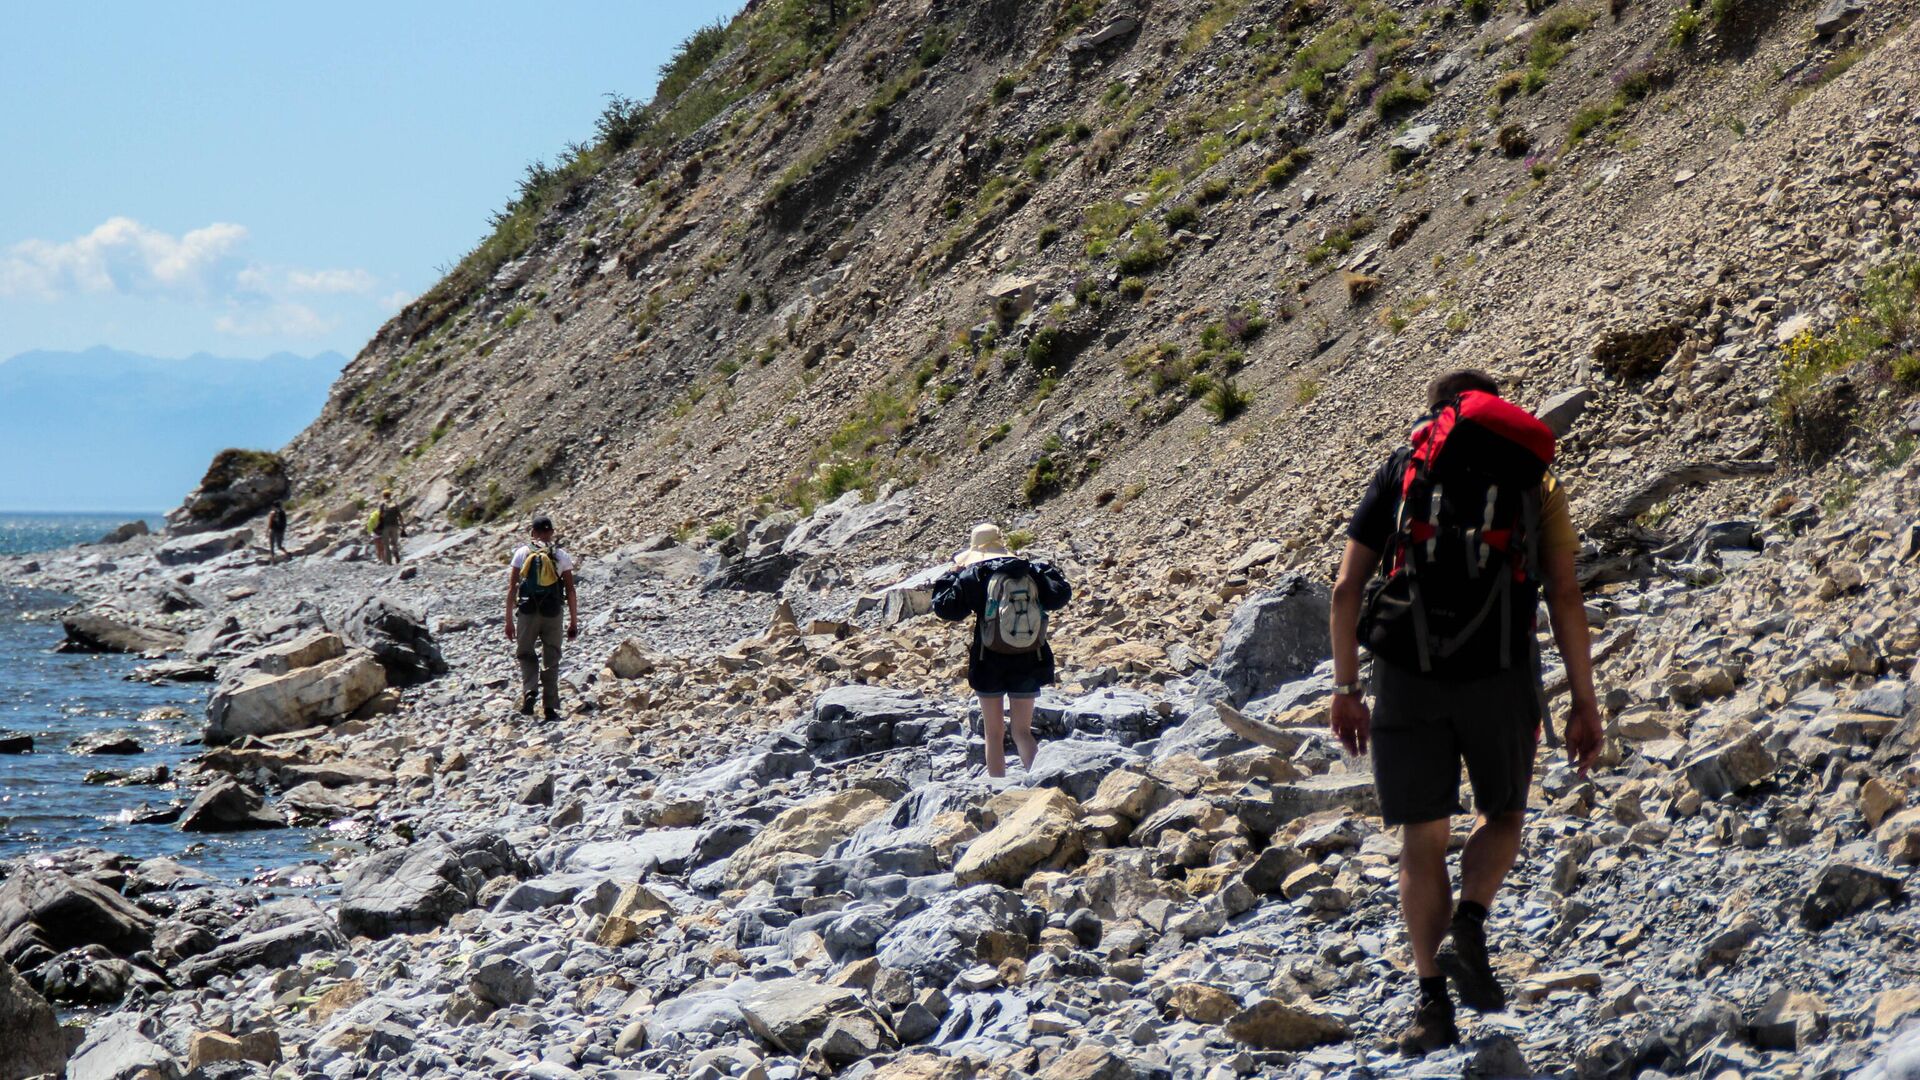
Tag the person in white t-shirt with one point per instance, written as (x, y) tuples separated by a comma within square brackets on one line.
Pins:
[(538, 580)]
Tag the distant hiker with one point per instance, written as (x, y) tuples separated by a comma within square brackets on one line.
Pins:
[(539, 579), (276, 532), (1466, 526), (389, 531), (1009, 657), (379, 535)]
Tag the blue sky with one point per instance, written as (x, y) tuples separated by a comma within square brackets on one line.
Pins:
[(243, 178)]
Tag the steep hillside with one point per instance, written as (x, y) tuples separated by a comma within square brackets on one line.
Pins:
[(1036, 256)]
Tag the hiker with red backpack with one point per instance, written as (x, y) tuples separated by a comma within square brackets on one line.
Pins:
[(539, 579), (1466, 528), (1009, 659)]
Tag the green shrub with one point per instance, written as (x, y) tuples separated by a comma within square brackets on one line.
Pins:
[(1048, 234), (1043, 479), (1340, 241), (1588, 118), (720, 530), (1891, 296), (1004, 86), (690, 60), (1043, 347), (1133, 288), (1019, 538), (1401, 96), (1306, 391), (1147, 251), (1225, 400), (1283, 170), (1182, 215), (1683, 29), (517, 316)]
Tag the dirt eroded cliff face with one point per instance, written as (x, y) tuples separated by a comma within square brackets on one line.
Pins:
[(1126, 270)]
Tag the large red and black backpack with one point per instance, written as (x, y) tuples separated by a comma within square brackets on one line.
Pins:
[(1459, 581)]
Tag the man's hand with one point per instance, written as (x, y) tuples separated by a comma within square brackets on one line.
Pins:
[(1351, 723), (509, 628), (573, 629), (1584, 736)]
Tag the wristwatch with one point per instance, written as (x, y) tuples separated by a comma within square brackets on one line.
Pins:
[(1349, 689)]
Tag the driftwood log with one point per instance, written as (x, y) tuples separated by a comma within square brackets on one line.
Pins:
[(1617, 520)]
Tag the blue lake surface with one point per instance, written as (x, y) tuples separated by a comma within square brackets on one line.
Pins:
[(45, 802)]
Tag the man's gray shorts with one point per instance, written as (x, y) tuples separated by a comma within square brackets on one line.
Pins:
[(1423, 729)]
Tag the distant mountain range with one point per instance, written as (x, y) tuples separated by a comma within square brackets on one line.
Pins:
[(113, 431)]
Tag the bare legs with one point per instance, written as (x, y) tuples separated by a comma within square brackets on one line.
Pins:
[(1490, 853), (1426, 892), (993, 720)]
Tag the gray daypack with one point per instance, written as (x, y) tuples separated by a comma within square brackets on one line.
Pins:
[(1013, 620)]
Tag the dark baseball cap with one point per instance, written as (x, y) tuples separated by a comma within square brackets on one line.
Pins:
[(542, 523)]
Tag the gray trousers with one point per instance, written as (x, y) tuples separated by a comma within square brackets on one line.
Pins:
[(537, 641)]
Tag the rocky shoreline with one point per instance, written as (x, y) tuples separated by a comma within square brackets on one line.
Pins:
[(760, 843)]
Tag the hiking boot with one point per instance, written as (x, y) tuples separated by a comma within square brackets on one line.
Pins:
[(526, 704), (1464, 960), (1432, 1029), (553, 716)]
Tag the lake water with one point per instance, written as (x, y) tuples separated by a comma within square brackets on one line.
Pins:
[(45, 802)]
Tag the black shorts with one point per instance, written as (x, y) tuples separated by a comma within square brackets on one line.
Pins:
[(1423, 728)]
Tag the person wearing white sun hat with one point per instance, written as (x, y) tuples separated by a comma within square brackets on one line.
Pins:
[(1009, 659)]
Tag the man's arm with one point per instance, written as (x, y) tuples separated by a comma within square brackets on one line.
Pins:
[(513, 598), (573, 606), (1348, 714), (1568, 610)]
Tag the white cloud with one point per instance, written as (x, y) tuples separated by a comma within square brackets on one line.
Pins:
[(281, 319), (330, 281), (205, 267), (124, 256), (397, 299)]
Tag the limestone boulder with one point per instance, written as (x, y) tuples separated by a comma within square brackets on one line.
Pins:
[(229, 806), (34, 1043), (630, 660), (303, 651), (1843, 887), (848, 721), (1274, 637), (202, 547), (46, 909), (124, 1046), (263, 704), (398, 638), (1731, 766), (413, 890), (103, 630), (1036, 830), (1272, 1025), (947, 936), (788, 1014), (803, 833)]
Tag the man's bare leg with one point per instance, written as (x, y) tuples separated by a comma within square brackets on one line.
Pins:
[(1489, 856), (1426, 893)]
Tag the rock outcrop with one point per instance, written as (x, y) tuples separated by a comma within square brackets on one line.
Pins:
[(238, 485), (307, 694)]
